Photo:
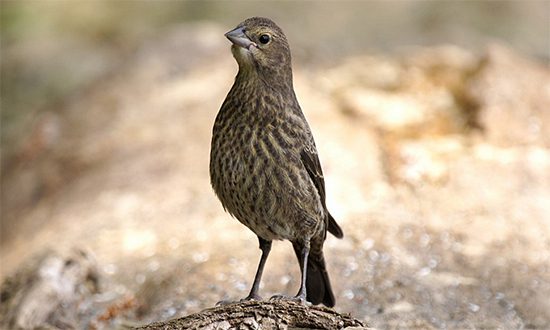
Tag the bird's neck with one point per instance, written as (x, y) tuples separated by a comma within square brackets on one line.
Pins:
[(276, 80)]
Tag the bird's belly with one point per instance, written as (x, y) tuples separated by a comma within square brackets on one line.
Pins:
[(256, 193), (248, 201)]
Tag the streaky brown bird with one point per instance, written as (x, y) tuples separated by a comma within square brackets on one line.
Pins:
[(264, 166)]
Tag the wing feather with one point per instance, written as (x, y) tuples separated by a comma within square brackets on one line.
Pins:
[(310, 160)]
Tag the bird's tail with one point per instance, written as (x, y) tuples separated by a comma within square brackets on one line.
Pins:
[(333, 227), (318, 288)]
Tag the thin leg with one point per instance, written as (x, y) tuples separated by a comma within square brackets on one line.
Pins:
[(265, 246), (304, 253)]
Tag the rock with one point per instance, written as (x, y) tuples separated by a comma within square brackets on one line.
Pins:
[(513, 95), (273, 314), (48, 290), (422, 94)]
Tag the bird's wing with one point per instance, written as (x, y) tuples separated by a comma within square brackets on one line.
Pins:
[(310, 159), (313, 166)]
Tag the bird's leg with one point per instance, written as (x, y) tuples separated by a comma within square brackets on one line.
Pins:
[(302, 260), (301, 296), (265, 246)]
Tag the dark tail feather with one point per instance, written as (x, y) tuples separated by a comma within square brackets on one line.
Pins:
[(318, 284), (333, 227), (318, 288)]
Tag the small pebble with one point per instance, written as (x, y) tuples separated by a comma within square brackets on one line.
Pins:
[(424, 271), (348, 294)]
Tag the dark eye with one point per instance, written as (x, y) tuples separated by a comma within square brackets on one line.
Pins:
[(264, 39)]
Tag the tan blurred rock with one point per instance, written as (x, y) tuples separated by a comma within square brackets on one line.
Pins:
[(421, 94), (364, 71), (426, 161), (513, 95), (430, 99)]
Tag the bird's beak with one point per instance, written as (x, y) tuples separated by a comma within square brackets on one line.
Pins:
[(238, 38)]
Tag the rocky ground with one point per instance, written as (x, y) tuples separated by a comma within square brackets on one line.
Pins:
[(437, 165)]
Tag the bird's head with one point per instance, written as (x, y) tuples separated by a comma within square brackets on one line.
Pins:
[(260, 45)]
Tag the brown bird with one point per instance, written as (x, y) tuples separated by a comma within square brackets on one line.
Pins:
[(264, 166)]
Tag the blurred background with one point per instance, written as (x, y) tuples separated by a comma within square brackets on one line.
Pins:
[(432, 121)]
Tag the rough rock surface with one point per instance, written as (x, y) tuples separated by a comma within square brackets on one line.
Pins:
[(262, 315)]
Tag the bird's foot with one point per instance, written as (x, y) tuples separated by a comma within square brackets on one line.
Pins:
[(254, 297), (225, 302), (299, 299), (251, 296)]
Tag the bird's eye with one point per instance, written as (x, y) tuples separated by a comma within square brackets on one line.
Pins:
[(264, 38)]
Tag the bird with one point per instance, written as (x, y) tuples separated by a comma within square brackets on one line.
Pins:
[(264, 166)]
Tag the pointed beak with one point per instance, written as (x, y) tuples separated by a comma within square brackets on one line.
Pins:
[(238, 38)]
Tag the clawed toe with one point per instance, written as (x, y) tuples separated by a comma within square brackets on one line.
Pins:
[(299, 299), (229, 302), (225, 302), (280, 297), (254, 297)]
